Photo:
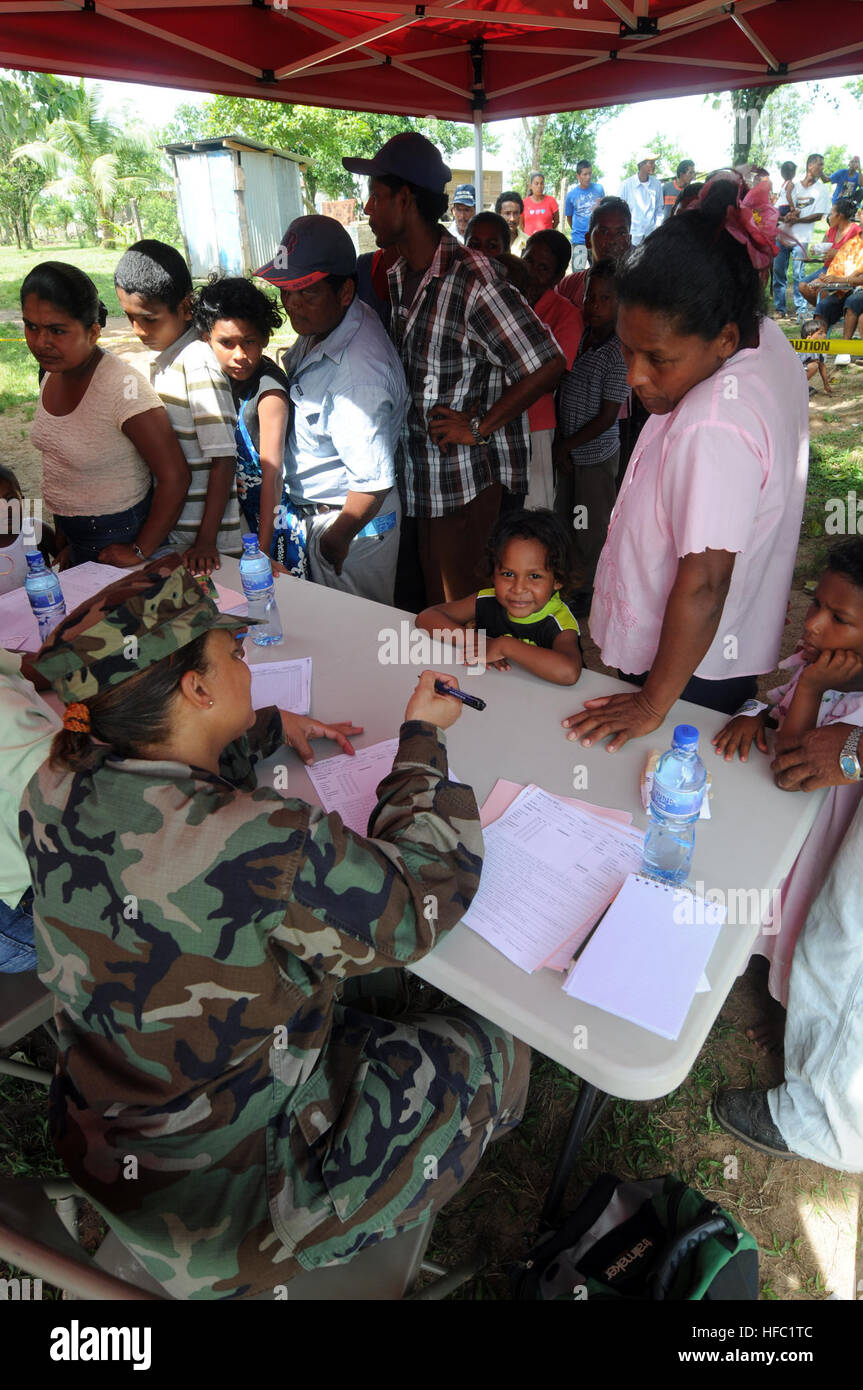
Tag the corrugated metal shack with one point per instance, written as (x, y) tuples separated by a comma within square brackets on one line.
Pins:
[(234, 198)]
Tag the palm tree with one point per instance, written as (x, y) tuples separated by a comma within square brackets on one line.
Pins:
[(84, 149)]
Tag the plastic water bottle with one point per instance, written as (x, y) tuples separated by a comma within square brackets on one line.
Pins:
[(256, 572), (675, 804), (45, 595)]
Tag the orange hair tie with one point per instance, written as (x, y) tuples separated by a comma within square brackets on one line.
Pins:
[(76, 719)]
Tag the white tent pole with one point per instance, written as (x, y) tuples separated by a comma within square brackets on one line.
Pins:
[(477, 157)]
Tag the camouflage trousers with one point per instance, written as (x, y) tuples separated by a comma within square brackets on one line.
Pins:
[(493, 1108), (431, 1092)]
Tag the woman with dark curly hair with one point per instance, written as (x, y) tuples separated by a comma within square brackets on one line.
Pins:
[(236, 319), (692, 584)]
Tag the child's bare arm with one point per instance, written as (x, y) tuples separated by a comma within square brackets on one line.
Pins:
[(202, 555), (834, 670), (560, 664), (822, 367), (448, 617), (273, 424)]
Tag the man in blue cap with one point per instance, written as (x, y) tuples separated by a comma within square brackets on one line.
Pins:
[(463, 208), (475, 357), (349, 397)]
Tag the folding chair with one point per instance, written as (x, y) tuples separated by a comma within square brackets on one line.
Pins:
[(39, 1239), (25, 1004)]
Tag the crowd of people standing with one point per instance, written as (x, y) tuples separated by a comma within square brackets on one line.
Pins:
[(481, 434)]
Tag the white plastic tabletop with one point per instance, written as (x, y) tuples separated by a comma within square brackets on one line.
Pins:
[(748, 845)]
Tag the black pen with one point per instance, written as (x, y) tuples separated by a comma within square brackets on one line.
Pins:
[(457, 694)]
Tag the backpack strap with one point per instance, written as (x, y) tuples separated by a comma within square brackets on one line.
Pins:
[(712, 1222)]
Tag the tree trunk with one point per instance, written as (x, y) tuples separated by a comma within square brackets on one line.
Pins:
[(747, 104), (534, 130), (136, 219)]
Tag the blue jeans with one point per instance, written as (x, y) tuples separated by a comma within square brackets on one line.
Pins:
[(780, 277), (726, 696), (17, 951), (87, 535), (798, 265)]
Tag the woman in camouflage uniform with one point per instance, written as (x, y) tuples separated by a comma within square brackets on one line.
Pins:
[(234, 1124)]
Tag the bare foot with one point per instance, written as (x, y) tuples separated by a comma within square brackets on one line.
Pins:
[(768, 1032)]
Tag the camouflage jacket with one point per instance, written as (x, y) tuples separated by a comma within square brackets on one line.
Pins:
[(229, 1120)]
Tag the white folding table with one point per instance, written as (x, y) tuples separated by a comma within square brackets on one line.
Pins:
[(747, 846)]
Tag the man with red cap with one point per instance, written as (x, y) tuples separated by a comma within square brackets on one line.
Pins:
[(349, 396)]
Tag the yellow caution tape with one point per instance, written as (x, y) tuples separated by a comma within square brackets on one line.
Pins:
[(853, 347)]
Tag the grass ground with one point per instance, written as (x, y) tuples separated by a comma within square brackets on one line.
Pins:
[(806, 1219)]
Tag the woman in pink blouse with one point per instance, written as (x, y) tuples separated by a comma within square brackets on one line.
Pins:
[(692, 584)]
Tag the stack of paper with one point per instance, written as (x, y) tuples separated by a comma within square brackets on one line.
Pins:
[(644, 961), (287, 684), (550, 870)]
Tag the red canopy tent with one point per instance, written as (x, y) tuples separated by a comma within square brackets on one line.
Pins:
[(465, 60)]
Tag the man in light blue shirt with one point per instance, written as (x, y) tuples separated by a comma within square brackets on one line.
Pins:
[(349, 396), (643, 193), (579, 204)]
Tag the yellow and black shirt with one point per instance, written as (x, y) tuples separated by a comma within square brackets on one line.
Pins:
[(539, 629)]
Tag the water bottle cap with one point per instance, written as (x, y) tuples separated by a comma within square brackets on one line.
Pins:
[(685, 736), (249, 539)]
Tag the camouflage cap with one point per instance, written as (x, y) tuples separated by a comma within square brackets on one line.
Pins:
[(130, 625)]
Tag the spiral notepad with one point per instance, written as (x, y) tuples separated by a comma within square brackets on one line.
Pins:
[(644, 960)]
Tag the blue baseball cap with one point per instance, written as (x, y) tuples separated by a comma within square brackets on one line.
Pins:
[(311, 249), (466, 195), (410, 157)]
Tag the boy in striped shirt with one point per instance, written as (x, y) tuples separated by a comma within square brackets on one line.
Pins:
[(154, 288)]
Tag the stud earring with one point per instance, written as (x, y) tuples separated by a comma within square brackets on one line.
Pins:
[(212, 702)]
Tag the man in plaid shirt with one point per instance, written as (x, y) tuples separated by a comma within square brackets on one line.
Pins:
[(475, 357)]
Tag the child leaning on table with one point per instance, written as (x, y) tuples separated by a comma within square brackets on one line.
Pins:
[(530, 560), (826, 687), (236, 319)]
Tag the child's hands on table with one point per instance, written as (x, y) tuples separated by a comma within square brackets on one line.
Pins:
[(739, 734)]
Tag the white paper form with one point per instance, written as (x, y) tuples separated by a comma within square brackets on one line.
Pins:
[(287, 684), (549, 872), (80, 583), (348, 784)]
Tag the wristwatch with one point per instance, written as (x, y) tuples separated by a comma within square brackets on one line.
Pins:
[(849, 763), (474, 429)]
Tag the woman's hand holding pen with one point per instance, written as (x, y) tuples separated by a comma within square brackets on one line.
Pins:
[(426, 704)]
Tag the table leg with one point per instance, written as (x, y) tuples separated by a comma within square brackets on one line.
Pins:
[(580, 1126)]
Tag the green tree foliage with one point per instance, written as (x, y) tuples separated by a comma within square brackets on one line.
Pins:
[(84, 153), (29, 102), (553, 145), (320, 136), (668, 155), (835, 157), (764, 122)]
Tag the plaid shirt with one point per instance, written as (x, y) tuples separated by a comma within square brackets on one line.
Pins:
[(467, 336)]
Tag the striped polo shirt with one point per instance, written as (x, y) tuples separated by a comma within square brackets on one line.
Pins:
[(198, 399)]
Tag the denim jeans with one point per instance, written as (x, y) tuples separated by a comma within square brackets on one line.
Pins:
[(17, 951), (798, 265), (725, 696), (87, 535), (780, 277)]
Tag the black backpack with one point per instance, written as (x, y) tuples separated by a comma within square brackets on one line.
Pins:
[(657, 1239)]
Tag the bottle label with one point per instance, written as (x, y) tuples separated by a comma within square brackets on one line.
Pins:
[(682, 804), (46, 602), (257, 583)]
